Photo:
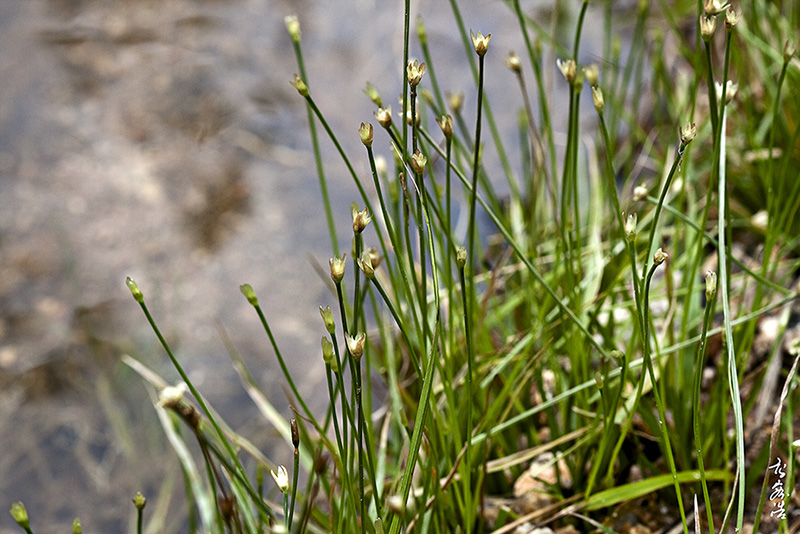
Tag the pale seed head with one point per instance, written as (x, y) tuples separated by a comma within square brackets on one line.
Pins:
[(418, 162), (480, 42), (384, 116), (513, 62), (365, 131), (293, 26), (300, 85), (337, 268), (415, 70), (568, 69), (597, 97)]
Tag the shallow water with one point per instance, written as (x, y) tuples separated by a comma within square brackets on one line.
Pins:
[(163, 141)]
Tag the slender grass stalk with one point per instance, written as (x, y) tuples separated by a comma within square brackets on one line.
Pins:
[(733, 375), (293, 26), (468, 335), (295, 471), (139, 297), (711, 293)]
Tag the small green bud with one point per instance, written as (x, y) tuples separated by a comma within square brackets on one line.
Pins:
[(247, 291), (300, 85), (327, 318), (461, 257), (423, 35), (337, 268), (293, 26), (373, 95), (597, 96), (76, 526), (327, 350), (135, 291), (480, 42), (366, 133), (598, 380), (20, 515), (139, 501), (711, 285)]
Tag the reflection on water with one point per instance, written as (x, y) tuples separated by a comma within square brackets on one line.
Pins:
[(162, 140)]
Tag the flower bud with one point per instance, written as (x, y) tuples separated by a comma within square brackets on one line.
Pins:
[(446, 124), (480, 42), (327, 350), (247, 291), (418, 162), (76, 526), (688, 134), (415, 71), (707, 27), (591, 74), (660, 257), (293, 26), (171, 396), (281, 478), (789, 50), (366, 133), (630, 227), (295, 433), (597, 96), (300, 85), (360, 219), (135, 291), (730, 91), (713, 7), (640, 193), (461, 257), (568, 69), (337, 268), (598, 380), (384, 116), (356, 345), (513, 62), (139, 501), (365, 264), (711, 285), (327, 318), (732, 18), (456, 101), (373, 95), (20, 515)]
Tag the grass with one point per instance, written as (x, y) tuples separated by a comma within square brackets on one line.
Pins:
[(583, 336)]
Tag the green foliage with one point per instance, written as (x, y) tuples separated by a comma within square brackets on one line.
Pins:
[(582, 329)]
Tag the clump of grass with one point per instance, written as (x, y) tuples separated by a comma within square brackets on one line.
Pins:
[(569, 333)]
